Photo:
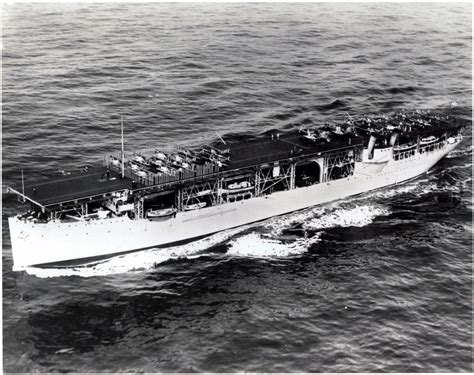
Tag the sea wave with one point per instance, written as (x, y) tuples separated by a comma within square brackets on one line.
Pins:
[(358, 216), (272, 244), (460, 152), (257, 245)]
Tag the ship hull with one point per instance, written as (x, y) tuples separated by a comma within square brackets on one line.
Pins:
[(62, 243)]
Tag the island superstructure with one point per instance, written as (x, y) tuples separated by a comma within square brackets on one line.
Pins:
[(156, 198)]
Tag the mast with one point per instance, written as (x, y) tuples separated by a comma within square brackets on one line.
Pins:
[(123, 152), (23, 186), (221, 138)]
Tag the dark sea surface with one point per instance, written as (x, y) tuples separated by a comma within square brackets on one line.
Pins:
[(380, 282)]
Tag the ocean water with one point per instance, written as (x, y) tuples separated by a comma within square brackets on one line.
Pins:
[(379, 282)]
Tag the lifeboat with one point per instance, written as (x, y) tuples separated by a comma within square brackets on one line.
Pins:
[(203, 192), (161, 213), (195, 206), (404, 147), (237, 187), (428, 140)]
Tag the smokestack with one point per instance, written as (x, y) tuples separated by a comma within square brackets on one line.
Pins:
[(370, 147), (393, 139)]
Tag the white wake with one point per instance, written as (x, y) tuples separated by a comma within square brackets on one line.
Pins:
[(260, 245)]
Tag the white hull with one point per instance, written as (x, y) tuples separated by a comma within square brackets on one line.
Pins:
[(34, 244)]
